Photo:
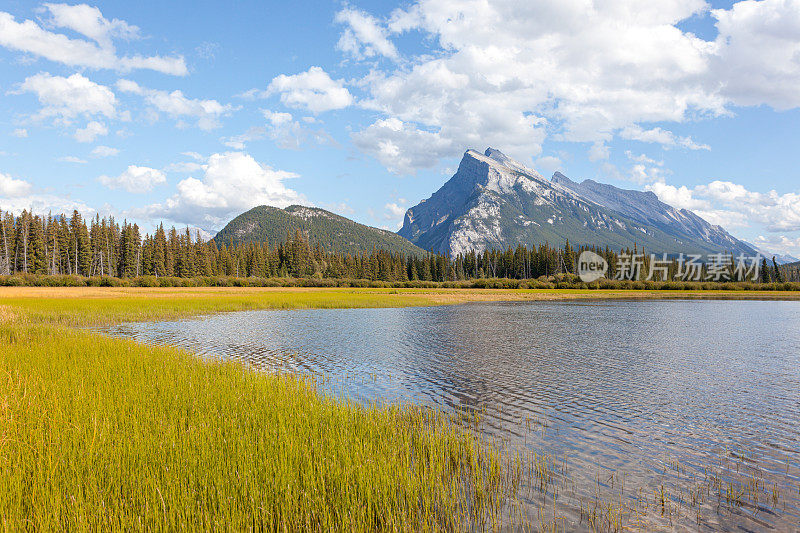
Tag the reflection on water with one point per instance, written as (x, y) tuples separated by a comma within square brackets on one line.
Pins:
[(652, 390)]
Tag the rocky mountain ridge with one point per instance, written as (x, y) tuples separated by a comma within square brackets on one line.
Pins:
[(493, 201)]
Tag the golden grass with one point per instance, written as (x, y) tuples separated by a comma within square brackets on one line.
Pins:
[(97, 433), (100, 433)]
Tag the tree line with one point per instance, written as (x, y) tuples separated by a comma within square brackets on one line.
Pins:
[(62, 245)]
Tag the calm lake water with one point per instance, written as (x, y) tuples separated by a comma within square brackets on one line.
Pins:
[(625, 397)]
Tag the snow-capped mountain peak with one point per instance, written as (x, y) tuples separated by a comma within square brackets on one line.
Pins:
[(493, 201)]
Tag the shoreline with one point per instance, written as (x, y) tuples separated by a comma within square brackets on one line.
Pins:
[(87, 306)]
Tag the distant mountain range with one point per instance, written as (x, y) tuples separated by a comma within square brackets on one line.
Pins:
[(493, 201), (781, 259), (334, 232)]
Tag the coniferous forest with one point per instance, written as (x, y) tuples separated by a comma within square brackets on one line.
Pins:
[(72, 246)]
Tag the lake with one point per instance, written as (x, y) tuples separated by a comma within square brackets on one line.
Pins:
[(685, 413)]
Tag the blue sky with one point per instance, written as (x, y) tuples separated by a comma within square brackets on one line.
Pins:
[(192, 112)]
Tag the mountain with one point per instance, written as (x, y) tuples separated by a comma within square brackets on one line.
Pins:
[(781, 259), (646, 208), (493, 201), (334, 232)]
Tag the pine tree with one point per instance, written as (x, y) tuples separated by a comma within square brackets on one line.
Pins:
[(765, 277)]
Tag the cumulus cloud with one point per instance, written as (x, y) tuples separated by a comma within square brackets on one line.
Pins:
[(731, 204), (20, 133), (403, 148), (755, 55), (680, 197), (393, 210), (17, 195), (588, 72), (92, 130), (364, 35), (13, 188), (97, 51), (176, 105), (67, 98), (313, 89), (232, 182), (135, 179), (46, 203)]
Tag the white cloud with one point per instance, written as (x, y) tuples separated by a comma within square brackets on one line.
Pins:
[(403, 148), (548, 164), (13, 188), (680, 197), (176, 105), (98, 52), (135, 179), (68, 98), (104, 151), (396, 212), (642, 158), (92, 130), (44, 203), (281, 128), (393, 210), (232, 182), (72, 159), (187, 166), (665, 138), (756, 57), (364, 36), (277, 118), (643, 171), (239, 142), (314, 90), (289, 134), (731, 204), (599, 151), (778, 244), (89, 21), (20, 133), (589, 71)]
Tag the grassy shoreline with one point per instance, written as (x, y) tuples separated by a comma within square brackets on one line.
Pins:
[(86, 306), (107, 433)]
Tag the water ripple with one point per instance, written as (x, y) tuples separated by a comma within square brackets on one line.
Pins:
[(611, 386)]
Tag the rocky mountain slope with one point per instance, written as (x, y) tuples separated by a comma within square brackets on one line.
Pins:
[(493, 201), (334, 232)]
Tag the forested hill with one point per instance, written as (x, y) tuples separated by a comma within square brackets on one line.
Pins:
[(334, 232)]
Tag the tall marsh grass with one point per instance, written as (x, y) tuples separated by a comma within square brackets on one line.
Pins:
[(99, 433)]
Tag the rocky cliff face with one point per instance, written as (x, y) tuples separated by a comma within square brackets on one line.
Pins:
[(645, 207), (493, 201)]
